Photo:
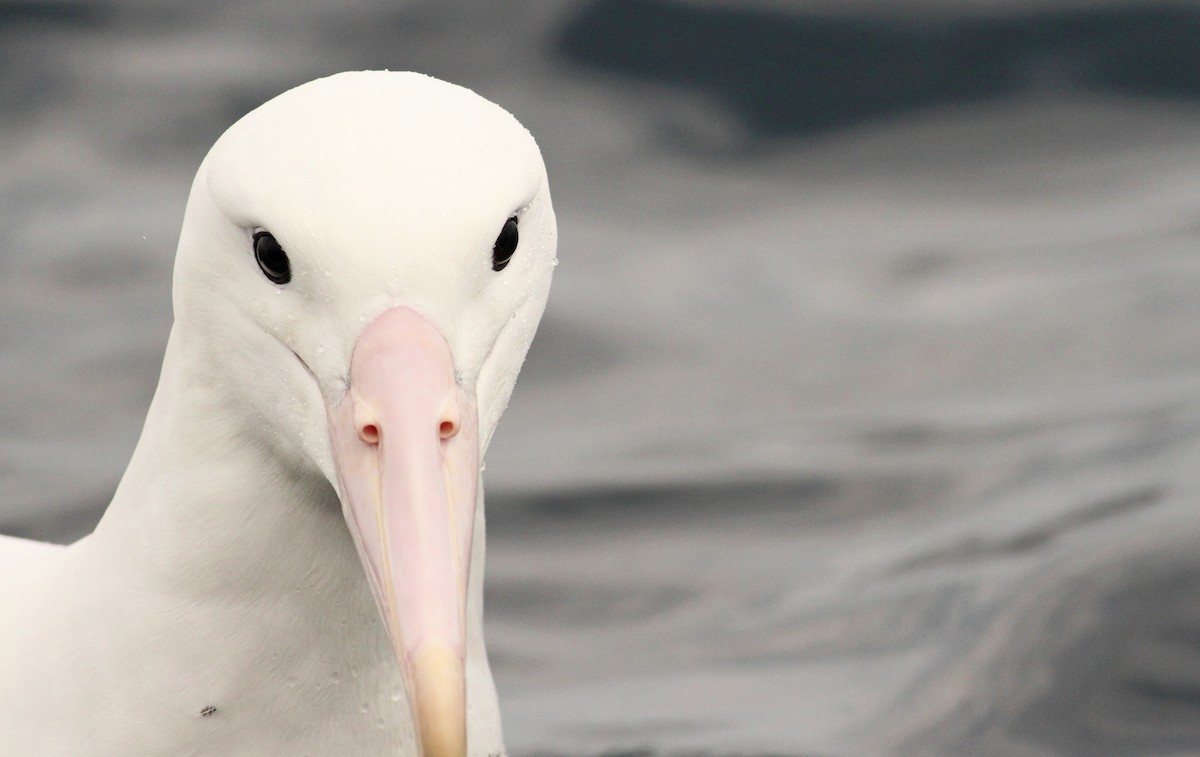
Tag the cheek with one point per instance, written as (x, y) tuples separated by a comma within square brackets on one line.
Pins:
[(273, 318), (295, 413), (498, 372)]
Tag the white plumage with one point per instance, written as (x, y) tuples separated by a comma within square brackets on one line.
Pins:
[(221, 606)]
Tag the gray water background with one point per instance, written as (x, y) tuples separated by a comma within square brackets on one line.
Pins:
[(865, 417)]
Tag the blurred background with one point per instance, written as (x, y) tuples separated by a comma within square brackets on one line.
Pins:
[(865, 415)]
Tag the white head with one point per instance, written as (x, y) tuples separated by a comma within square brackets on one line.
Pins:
[(346, 236)]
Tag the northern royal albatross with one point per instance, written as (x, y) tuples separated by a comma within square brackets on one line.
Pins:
[(293, 561)]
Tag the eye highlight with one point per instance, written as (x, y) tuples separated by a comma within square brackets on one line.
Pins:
[(272, 260), (506, 244)]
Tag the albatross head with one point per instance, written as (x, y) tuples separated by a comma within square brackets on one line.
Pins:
[(367, 257)]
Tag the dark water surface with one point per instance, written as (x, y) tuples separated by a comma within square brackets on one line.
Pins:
[(865, 418)]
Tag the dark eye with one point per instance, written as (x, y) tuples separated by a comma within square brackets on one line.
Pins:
[(271, 258), (506, 245)]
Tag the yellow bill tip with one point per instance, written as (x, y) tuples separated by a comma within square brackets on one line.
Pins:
[(439, 700)]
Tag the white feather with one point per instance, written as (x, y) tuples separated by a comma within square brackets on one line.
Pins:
[(220, 607)]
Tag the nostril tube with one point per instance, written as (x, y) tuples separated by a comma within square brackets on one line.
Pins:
[(448, 426), (365, 424)]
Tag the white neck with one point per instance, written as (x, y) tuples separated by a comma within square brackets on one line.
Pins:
[(242, 518), (236, 588)]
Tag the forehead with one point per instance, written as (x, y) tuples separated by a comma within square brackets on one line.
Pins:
[(393, 154)]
